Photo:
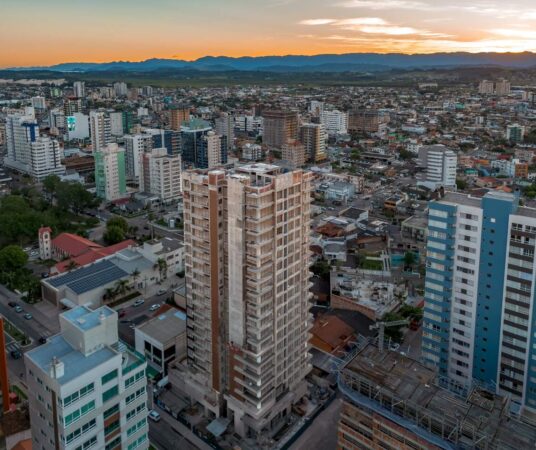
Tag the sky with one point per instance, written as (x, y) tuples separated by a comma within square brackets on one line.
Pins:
[(39, 32)]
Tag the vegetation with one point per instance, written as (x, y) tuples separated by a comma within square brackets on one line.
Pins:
[(321, 268), (410, 259), (461, 184), (68, 196), (116, 230), (15, 333)]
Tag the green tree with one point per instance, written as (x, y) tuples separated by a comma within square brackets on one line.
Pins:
[(461, 184), (12, 258), (50, 185), (409, 259), (162, 266), (121, 287), (113, 235), (118, 222)]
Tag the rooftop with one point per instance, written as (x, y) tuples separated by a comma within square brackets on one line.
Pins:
[(166, 326), (85, 318)]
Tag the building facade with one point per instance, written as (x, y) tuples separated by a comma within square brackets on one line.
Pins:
[(279, 127), (440, 165), (313, 137), (161, 175), (86, 388), (247, 275), (100, 129), (110, 177), (479, 293)]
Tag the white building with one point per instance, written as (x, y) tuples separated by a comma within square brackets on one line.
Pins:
[(116, 123), (121, 89), (99, 124), (135, 146), (39, 102), (252, 152), (45, 156), (335, 122), (440, 163), (316, 108), (160, 174), (224, 126), (110, 177), (79, 89), (86, 388), (77, 126)]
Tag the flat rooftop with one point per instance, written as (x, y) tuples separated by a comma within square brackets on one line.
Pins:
[(405, 379), (84, 318), (166, 326)]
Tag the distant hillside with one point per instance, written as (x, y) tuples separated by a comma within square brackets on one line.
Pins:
[(349, 62)]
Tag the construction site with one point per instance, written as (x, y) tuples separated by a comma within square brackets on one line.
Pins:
[(392, 401)]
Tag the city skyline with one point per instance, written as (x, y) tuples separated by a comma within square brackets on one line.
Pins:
[(136, 31)]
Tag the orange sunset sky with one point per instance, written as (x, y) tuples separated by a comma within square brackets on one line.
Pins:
[(36, 32)]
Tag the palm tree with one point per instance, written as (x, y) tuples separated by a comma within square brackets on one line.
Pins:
[(135, 275), (109, 294), (71, 266), (121, 287), (162, 266)]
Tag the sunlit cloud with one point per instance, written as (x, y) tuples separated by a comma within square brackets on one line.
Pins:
[(316, 22), (393, 30), (517, 33)]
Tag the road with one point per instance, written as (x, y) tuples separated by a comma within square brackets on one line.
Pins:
[(164, 435), (322, 433)]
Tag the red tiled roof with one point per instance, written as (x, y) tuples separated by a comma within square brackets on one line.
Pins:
[(73, 244), (93, 254)]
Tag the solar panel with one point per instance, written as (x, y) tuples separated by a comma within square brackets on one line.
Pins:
[(80, 273), (97, 279)]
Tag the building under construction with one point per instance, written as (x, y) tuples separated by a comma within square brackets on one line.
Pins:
[(395, 402)]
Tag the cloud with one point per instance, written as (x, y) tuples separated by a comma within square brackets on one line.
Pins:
[(316, 22), (362, 21), (391, 30), (386, 4), (515, 33)]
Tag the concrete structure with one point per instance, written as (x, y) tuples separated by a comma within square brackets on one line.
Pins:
[(39, 102), (86, 388), (167, 249), (79, 89), (45, 243), (313, 137), (366, 120), (77, 126), (135, 146), (72, 105), (440, 163), (479, 293), (486, 87), (247, 278), (121, 89), (45, 158), (252, 152), (116, 123), (110, 179), (294, 152), (334, 121), (162, 339), (515, 133), (224, 126), (160, 174), (178, 117), (502, 87), (99, 125), (394, 402), (279, 127)]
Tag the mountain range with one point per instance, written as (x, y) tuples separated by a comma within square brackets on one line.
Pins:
[(348, 62)]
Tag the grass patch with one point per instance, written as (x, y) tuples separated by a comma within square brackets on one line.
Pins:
[(15, 333)]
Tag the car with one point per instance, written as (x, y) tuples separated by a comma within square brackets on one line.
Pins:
[(15, 354), (139, 302), (43, 340), (28, 316), (161, 291), (154, 416), (154, 307), (395, 346), (122, 313), (44, 274), (34, 253), (12, 304), (18, 309), (132, 326)]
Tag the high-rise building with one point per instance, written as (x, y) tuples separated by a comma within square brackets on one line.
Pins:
[(86, 388), (365, 120), (21, 131), (79, 89), (313, 137), (99, 125), (247, 277), (479, 293), (201, 147), (440, 165), (279, 127), (121, 89), (294, 152), (160, 174), (486, 87), (334, 121), (116, 123), (39, 102), (316, 108), (147, 91), (110, 177), (135, 146), (72, 105), (225, 127), (502, 87), (170, 139), (178, 117), (515, 133), (45, 158), (128, 121), (77, 126)]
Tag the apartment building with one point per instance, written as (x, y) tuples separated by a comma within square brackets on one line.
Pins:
[(440, 165), (279, 127), (110, 179), (135, 146), (178, 117), (161, 175), (313, 137), (247, 275), (334, 121), (86, 388), (45, 158), (100, 129), (364, 120), (479, 293), (294, 152), (224, 126)]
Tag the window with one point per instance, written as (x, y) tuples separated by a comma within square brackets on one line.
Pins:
[(113, 426), (136, 411), (109, 376), (131, 380), (88, 444), (111, 411), (110, 393), (136, 427), (75, 415), (114, 443), (138, 442), (78, 394), (80, 431), (135, 395)]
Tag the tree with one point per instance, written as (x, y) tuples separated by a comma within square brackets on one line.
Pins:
[(405, 154), (409, 259), (12, 258), (110, 294), (71, 266), (461, 184), (135, 275), (119, 222), (113, 235), (162, 266), (121, 287), (50, 185)]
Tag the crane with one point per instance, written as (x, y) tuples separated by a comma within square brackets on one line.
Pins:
[(380, 326)]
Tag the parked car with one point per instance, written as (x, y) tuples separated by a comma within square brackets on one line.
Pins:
[(18, 309), (154, 416), (122, 313), (139, 302), (154, 307), (12, 304), (15, 354), (28, 316), (43, 340), (161, 291)]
